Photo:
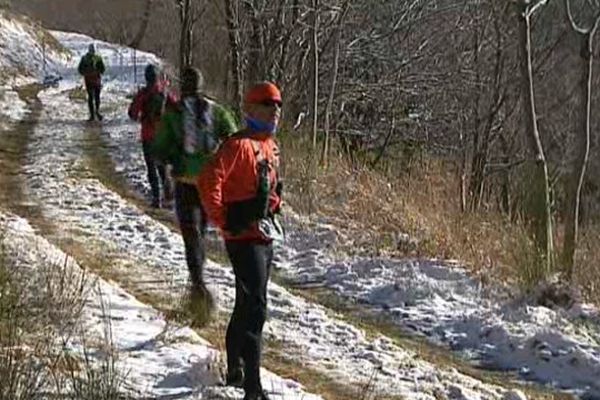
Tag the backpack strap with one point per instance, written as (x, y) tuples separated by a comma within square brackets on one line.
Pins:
[(258, 153)]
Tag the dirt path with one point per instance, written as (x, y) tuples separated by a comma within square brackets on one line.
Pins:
[(13, 194)]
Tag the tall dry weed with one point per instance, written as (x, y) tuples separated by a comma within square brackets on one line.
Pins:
[(414, 213), (42, 301)]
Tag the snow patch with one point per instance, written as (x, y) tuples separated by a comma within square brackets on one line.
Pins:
[(24, 54)]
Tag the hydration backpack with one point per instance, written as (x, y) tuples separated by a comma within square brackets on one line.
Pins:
[(198, 129)]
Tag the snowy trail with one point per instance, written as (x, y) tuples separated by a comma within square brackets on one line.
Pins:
[(436, 300), (85, 209), (88, 212)]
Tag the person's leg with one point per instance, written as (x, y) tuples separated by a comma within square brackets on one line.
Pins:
[(165, 181), (90, 99), (189, 215), (234, 340), (251, 264), (152, 176), (97, 100)]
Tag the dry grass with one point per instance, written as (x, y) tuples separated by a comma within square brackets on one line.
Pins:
[(587, 273), (375, 212), (41, 311)]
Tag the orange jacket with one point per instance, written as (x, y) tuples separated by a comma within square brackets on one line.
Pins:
[(231, 176)]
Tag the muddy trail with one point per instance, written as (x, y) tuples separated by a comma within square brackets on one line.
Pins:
[(15, 140)]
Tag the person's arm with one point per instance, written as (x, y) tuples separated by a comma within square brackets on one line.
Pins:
[(100, 65), (80, 66), (171, 99), (135, 108), (211, 179)]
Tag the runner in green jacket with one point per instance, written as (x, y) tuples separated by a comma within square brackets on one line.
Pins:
[(168, 143), (188, 134)]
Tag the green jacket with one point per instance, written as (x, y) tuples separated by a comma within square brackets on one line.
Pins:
[(167, 144), (91, 67)]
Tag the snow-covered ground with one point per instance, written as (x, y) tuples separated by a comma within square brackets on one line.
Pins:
[(57, 179), (435, 299), (26, 54), (12, 109), (158, 358), (443, 303), (439, 301)]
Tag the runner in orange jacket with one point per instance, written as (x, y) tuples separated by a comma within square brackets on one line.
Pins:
[(241, 195)]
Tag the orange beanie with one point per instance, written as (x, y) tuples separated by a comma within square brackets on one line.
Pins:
[(262, 92)]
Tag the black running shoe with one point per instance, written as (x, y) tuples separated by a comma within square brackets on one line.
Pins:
[(235, 377), (261, 395)]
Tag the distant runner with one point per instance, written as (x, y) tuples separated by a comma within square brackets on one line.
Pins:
[(147, 107), (91, 67)]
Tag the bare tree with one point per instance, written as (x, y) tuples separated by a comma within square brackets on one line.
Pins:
[(334, 75), (135, 42), (539, 207), (485, 112), (235, 51), (582, 147), (189, 13), (315, 72)]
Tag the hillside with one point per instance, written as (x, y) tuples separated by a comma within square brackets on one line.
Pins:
[(341, 326)]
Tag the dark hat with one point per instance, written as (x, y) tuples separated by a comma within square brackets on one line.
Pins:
[(191, 81), (150, 73)]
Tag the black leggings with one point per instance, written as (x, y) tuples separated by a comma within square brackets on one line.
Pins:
[(192, 222), (93, 95), (155, 171), (252, 266)]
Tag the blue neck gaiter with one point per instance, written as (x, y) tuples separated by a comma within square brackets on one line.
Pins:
[(257, 126)]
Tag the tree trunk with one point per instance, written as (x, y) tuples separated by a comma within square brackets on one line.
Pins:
[(505, 191), (315, 72), (477, 160), (581, 156), (483, 127), (463, 170), (255, 70), (334, 75), (185, 35), (385, 143), (235, 51), (538, 207), (143, 27)]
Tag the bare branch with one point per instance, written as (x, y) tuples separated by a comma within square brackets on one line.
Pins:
[(572, 21)]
